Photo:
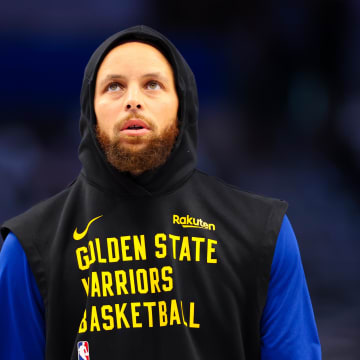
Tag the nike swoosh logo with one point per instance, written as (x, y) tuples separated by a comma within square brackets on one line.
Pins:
[(80, 236)]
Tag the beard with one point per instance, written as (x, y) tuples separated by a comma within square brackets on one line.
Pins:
[(151, 155)]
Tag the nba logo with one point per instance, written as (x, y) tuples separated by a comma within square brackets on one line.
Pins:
[(83, 350)]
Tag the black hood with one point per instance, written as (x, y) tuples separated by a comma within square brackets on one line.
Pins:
[(182, 160)]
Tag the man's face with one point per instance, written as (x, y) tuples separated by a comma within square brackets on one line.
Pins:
[(136, 107)]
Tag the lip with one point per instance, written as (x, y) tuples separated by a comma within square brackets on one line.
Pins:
[(135, 122), (134, 132)]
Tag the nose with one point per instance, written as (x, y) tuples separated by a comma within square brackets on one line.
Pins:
[(133, 100), (129, 106)]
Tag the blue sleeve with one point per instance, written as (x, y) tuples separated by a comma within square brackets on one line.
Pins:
[(288, 328), (22, 324)]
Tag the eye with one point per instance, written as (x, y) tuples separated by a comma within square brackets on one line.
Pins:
[(114, 86), (153, 85)]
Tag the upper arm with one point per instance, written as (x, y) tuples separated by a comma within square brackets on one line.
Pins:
[(22, 325), (288, 328)]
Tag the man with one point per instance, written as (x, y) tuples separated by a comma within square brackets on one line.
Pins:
[(144, 256)]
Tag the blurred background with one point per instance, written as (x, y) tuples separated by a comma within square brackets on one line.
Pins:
[(279, 90)]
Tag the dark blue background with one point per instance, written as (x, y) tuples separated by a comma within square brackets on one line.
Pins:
[(279, 87)]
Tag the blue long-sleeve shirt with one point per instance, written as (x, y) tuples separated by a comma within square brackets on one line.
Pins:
[(288, 329)]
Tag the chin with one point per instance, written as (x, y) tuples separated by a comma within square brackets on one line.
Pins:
[(133, 143)]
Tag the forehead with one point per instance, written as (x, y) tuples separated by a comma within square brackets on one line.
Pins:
[(134, 57)]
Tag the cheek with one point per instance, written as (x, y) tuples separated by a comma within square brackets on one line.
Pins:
[(106, 115), (165, 110), (106, 112), (173, 105)]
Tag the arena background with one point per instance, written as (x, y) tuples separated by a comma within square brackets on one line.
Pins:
[(279, 86)]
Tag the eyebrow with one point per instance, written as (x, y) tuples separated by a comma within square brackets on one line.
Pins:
[(157, 75)]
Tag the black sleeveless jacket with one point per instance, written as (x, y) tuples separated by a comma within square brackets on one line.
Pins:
[(172, 264)]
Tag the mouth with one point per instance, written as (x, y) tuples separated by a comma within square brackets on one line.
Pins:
[(135, 127)]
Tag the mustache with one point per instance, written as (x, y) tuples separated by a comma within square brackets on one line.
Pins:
[(120, 124)]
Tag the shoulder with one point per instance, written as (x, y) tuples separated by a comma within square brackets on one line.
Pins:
[(216, 183), (287, 261), (250, 203), (34, 230), (31, 220)]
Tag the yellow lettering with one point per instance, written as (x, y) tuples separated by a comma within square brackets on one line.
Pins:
[(142, 281), (94, 322), (198, 241), (92, 252), (163, 320), (95, 286), (182, 312), (85, 283), (83, 324), (192, 324), (107, 283), (98, 250), (139, 247), (125, 248), (174, 313), (169, 279), (120, 316), (110, 325), (132, 281), (113, 249), (185, 249), (210, 251), (135, 314), (160, 254), (83, 261), (120, 284), (174, 238), (150, 305), (154, 280)]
